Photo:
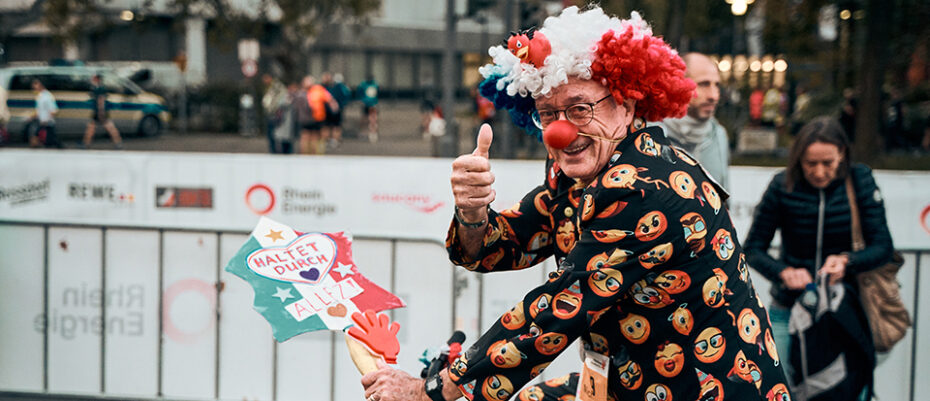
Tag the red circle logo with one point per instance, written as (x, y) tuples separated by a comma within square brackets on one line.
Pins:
[(923, 219), (260, 199)]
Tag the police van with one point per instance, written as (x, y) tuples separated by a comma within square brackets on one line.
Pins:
[(132, 109)]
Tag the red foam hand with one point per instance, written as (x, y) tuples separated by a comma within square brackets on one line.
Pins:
[(559, 134), (377, 332)]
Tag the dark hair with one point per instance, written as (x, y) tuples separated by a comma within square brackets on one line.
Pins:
[(823, 129)]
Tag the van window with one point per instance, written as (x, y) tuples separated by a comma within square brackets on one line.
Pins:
[(53, 82)]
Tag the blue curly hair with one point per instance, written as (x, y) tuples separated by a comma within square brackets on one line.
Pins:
[(519, 107)]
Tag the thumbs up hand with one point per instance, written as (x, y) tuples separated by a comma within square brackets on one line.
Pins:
[(472, 178)]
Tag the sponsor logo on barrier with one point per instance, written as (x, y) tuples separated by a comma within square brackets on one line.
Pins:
[(25, 193), (99, 193), (925, 219), (78, 313), (261, 199), (180, 197), (419, 202)]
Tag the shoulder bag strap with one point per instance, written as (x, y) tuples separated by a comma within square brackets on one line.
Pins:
[(858, 243)]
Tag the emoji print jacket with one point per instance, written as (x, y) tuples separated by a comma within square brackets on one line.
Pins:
[(650, 274)]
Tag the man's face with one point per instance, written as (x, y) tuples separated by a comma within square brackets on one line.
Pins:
[(704, 73), (585, 156)]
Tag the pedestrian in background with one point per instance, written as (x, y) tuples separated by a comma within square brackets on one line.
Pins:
[(807, 201), (342, 95), (46, 108), (311, 115), (368, 93), (699, 132), (4, 117), (100, 115), (275, 102)]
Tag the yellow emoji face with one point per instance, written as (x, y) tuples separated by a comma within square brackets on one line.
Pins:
[(612, 210), (646, 145), (540, 304), (723, 244), (656, 256), (551, 343), (497, 388), (682, 320), (650, 296), (608, 236), (531, 394), (587, 209), (673, 281), (778, 392), (746, 370), (635, 328), (710, 345), (538, 369), (565, 236), (670, 359), (713, 199), (539, 240), (682, 183), (599, 343), (458, 367), (695, 231), (514, 319), (658, 392), (651, 225), (748, 325), (504, 354), (711, 388), (605, 282), (713, 291), (620, 176), (541, 203), (631, 376), (567, 303)]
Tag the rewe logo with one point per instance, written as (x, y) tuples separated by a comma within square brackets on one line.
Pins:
[(305, 260), (260, 199)]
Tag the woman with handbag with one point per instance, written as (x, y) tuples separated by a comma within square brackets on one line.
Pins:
[(808, 202)]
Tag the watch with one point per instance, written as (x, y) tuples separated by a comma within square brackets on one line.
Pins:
[(458, 218), (433, 387)]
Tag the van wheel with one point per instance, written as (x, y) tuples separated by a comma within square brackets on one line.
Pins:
[(149, 126)]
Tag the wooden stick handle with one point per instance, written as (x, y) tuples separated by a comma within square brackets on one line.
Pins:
[(363, 359)]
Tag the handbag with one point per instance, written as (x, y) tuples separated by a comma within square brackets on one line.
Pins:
[(879, 290)]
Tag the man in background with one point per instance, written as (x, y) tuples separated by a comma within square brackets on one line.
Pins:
[(698, 132), (98, 100), (46, 108), (368, 93)]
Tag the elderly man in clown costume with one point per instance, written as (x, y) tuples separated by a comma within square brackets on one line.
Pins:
[(650, 275)]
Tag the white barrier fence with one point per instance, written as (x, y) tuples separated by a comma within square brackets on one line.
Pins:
[(155, 230)]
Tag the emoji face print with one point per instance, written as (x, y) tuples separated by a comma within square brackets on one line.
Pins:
[(743, 268), (565, 236), (682, 183), (656, 256), (539, 240), (540, 304), (749, 328), (711, 195), (608, 236), (650, 296), (647, 146), (723, 244), (635, 328), (587, 210), (497, 388), (567, 303), (504, 354), (514, 319), (512, 212), (684, 156), (714, 289), (770, 346), (673, 281), (605, 282), (658, 392), (557, 381), (670, 359), (710, 345), (631, 375), (598, 343), (612, 210), (621, 176), (532, 394), (541, 203), (711, 388), (695, 230), (746, 370), (778, 392), (551, 343), (651, 225), (458, 367), (682, 320), (538, 369)]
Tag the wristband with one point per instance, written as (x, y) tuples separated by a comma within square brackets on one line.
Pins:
[(433, 387), (458, 218)]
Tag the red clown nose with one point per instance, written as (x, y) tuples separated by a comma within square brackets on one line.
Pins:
[(560, 134)]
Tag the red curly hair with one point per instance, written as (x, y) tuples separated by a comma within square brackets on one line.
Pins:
[(644, 69)]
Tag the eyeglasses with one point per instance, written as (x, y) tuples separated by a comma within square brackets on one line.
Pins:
[(579, 114)]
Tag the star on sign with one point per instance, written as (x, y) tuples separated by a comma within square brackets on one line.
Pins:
[(344, 270), (274, 235), (283, 293)]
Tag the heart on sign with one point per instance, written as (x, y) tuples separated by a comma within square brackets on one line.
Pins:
[(337, 311), (307, 259)]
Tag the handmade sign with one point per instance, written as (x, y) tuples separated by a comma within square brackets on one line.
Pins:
[(306, 281)]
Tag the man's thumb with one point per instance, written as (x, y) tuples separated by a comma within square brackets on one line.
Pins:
[(485, 135)]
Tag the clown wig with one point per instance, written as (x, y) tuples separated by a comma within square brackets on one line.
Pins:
[(620, 54)]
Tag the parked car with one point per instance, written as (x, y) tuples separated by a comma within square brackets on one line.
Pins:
[(132, 109)]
